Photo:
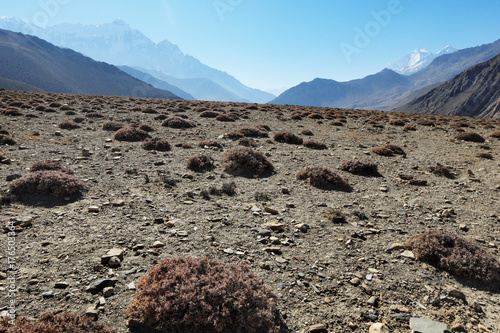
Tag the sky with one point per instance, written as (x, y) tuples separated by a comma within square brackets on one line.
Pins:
[(277, 44)]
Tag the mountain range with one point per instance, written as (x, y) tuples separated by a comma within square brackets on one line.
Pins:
[(473, 93), (30, 63), (119, 44), (386, 89), (417, 60)]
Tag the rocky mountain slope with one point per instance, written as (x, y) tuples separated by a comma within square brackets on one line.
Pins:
[(337, 259), (40, 64), (473, 93)]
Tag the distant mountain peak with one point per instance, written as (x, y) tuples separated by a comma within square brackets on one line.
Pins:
[(417, 59)]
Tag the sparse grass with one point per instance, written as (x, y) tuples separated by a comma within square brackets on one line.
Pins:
[(324, 178), (200, 163), (409, 127), (360, 166), (64, 322), (201, 295), (246, 161), (306, 132), (156, 144), (131, 134), (383, 151), (457, 255), (469, 136), (6, 140)]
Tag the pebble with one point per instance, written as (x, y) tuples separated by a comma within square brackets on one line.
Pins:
[(92, 313), (228, 251), (131, 271), (118, 203), (94, 209), (98, 285), (270, 210), (265, 232), (3, 276), (302, 227), (404, 317), (61, 285), (108, 292), (115, 252), (274, 226), (273, 249), (318, 328), (355, 281), (408, 254), (427, 326), (373, 301), (131, 286), (114, 262), (378, 328), (48, 294), (158, 244)]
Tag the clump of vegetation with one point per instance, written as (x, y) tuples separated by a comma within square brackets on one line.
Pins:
[(469, 136), (146, 128), (315, 145), (224, 117), (202, 295), (495, 134), (360, 166), (425, 122), (131, 134), (254, 132), (324, 178), (55, 323), (247, 142), (334, 215), (112, 126), (50, 165), (178, 122), (287, 137), (262, 196), (56, 183), (210, 144), (397, 122), (246, 162), (200, 163), (68, 124), (12, 111), (389, 150), (306, 132), (457, 255), (441, 170), (209, 114), (6, 140), (156, 144), (409, 127)]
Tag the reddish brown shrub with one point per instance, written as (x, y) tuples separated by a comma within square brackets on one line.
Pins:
[(397, 122), (287, 137), (459, 256), (253, 132), (200, 163), (49, 165), (395, 149), (495, 134), (306, 132), (315, 145), (156, 144), (359, 166), (12, 111), (226, 117), (383, 151), (425, 122), (324, 178), (209, 114), (178, 122), (247, 142), (336, 123), (131, 134), (469, 136), (64, 322), (246, 161), (212, 144), (234, 135), (409, 127), (146, 128), (50, 182), (112, 126), (200, 295), (68, 124)]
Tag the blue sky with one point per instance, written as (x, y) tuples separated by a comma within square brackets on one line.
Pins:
[(280, 43)]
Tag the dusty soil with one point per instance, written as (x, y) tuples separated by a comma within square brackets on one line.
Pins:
[(131, 204)]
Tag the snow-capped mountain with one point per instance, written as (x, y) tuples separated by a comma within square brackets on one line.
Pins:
[(119, 44), (417, 60)]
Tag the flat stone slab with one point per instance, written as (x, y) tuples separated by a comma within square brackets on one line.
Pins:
[(419, 325)]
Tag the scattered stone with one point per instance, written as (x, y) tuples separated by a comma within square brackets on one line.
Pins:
[(158, 244), (99, 285), (108, 292), (265, 232), (118, 203), (463, 227), (355, 281), (403, 317), (228, 251), (285, 190), (131, 286), (115, 252), (61, 285), (318, 328), (373, 301), (270, 210), (378, 328), (94, 209), (265, 265), (408, 254), (302, 227), (483, 328), (114, 262), (274, 226), (457, 294), (3, 276), (48, 294), (92, 313), (427, 326), (273, 249)]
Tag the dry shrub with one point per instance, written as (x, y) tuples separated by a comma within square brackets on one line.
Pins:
[(397, 122), (201, 295), (146, 128), (395, 149), (209, 114), (200, 163), (178, 122), (324, 178), (12, 111), (156, 144), (247, 142), (64, 322), (441, 170), (49, 165), (246, 161), (306, 132), (287, 137), (383, 151), (425, 122), (409, 127), (50, 182), (334, 215), (68, 124), (359, 166), (495, 134), (112, 126), (5, 140), (210, 144), (487, 156), (315, 145), (234, 135), (253, 132), (131, 134), (469, 136), (226, 117), (459, 256)]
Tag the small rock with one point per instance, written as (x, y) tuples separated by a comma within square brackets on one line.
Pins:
[(131, 286), (158, 244), (270, 210), (265, 265), (3, 276), (378, 328), (48, 294), (118, 203), (483, 328), (92, 313), (114, 262), (408, 254), (318, 328), (273, 249), (302, 227), (427, 326), (108, 292), (98, 285), (265, 232), (463, 227), (373, 301), (274, 226), (285, 190), (355, 281), (457, 294), (228, 251), (94, 209), (115, 252), (403, 317), (61, 285)]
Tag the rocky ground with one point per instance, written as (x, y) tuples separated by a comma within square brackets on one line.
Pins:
[(345, 276)]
